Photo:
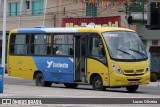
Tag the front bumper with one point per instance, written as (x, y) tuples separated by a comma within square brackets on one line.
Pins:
[(123, 80)]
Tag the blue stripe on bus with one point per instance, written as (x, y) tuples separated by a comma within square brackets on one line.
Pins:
[(33, 30), (56, 69)]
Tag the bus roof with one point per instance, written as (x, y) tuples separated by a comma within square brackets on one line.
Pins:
[(68, 30)]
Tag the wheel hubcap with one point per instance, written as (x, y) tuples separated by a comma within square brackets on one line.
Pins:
[(41, 80), (98, 84)]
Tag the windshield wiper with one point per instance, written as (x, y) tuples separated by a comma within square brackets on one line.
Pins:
[(138, 52), (126, 53)]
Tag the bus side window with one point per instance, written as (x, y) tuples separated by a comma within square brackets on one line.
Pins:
[(97, 49), (19, 44), (62, 44)]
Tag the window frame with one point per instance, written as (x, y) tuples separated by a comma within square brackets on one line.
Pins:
[(14, 44), (91, 56), (91, 10), (17, 9), (30, 44), (40, 10)]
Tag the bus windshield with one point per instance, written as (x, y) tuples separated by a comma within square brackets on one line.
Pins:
[(124, 45)]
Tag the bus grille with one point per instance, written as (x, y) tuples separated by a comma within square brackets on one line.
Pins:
[(134, 71), (133, 74), (128, 71)]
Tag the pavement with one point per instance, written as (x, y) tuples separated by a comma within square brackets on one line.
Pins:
[(153, 84), (16, 87), (156, 84)]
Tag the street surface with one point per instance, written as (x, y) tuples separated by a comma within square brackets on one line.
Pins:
[(20, 88)]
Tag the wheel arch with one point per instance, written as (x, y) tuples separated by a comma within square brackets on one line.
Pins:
[(92, 77), (35, 73)]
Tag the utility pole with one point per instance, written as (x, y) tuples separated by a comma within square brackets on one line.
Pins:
[(127, 13), (4, 36)]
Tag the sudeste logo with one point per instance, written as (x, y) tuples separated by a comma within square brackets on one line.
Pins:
[(56, 65)]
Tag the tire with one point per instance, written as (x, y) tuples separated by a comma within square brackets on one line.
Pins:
[(132, 88), (154, 77), (97, 84), (48, 84), (40, 81), (70, 85)]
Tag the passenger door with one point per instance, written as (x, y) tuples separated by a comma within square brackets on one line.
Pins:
[(80, 46)]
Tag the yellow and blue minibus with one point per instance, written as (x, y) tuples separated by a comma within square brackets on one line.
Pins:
[(104, 57)]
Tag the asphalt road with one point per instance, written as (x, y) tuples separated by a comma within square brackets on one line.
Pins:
[(20, 88), (143, 91)]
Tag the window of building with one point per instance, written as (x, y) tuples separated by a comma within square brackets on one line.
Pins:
[(14, 9), (37, 7), (91, 10), (19, 44)]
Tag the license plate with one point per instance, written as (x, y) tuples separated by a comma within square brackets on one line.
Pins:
[(135, 83)]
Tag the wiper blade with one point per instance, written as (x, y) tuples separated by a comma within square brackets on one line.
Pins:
[(138, 52), (126, 53)]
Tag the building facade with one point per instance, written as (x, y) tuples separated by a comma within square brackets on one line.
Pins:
[(34, 13)]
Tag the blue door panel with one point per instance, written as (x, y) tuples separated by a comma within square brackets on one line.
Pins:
[(56, 69)]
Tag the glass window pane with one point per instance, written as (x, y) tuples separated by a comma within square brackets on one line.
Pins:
[(20, 49), (97, 49), (63, 39), (40, 50), (13, 9), (18, 8), (37, 7), (20, 39), (41, 44), (19, 44), (40, 39), (63, 44), (63, 49), (91, 10)]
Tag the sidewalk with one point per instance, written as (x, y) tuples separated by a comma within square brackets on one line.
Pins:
[(154, 84)]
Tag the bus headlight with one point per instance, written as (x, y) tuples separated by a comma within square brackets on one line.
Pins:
[(147, 69), (117, 69)]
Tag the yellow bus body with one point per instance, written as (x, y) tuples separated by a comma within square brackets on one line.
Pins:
[(134, 72)]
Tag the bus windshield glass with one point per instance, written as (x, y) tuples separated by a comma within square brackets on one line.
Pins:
[(124, 45)]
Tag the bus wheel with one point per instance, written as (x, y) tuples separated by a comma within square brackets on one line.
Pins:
[(70, 85), (48, 84), (40, 81), (97, 84), (132, 88)]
